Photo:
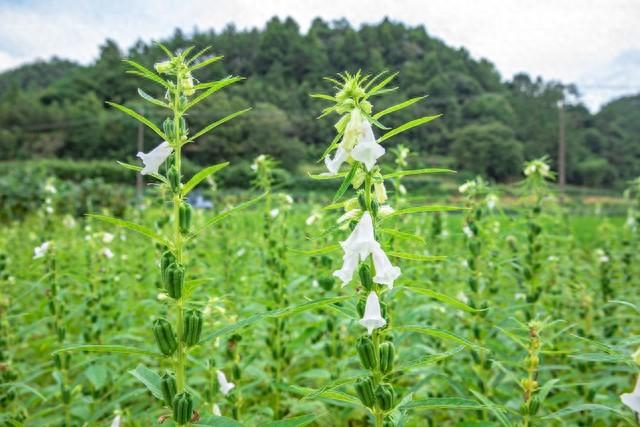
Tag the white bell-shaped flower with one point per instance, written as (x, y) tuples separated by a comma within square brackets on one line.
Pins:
[(116, 421), (362, 239), (225, 386), (367, 150), (339, 158), (349, 265), (154, 158), (632, 400), (372, 318), (386, 273)]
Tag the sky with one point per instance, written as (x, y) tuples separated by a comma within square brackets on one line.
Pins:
[(593, 43)]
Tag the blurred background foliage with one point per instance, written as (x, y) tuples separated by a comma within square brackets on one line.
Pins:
[(55, 109)]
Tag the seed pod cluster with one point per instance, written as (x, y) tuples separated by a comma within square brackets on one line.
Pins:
[(182, 408), (366, 352), (192, 327)]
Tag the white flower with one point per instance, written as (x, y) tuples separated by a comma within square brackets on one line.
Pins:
[(362, 240), (288, 199), (402, 189), (68, 221), (339, 158), (632, 400), (462, 297), (154, 158), (107, 238), (274, 212), (602, 256), (492, 201), (380, 191), (368, 152), (312, 218), (215, 410), (106, 252), (116, 421), (225, 386), (315, 283), (50, 188), (40, 251), (349, 265), (467, 231), (372, 318), (520, 296), (386, 273), (385, 210), (465, 187), (350, 214)]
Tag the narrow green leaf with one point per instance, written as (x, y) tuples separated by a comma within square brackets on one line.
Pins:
[(589, 407), (165, 50), (144, 72), (407, 126), (144, 95), (139, 168), (215, 86), (426, 208), (292, 422), (320, 251), (332, 146), (217, 421), (131, 226), (334, 395), (398, 107), (375, 79), (310, 305), (433, 403), (427, 360), (322, 177), (191, 285), (454, 302), (345, 182), (198, 55), (96, 348), (139, 117), (205, 62), (218, 123), (197, 178), (377, 88), (400, 174), (149, 378), (493, 408), (225, 214), (323, 96), (402, 235), (416, 257), (438, 333)]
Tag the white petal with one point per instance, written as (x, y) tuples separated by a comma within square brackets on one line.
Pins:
[(632, 401), (225, 386), (367, 152), (339, 158), (386, 273), (154, 158), (116, 421), (350, 263)]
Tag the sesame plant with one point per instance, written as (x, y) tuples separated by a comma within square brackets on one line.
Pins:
[(366, 216), (176, 333)]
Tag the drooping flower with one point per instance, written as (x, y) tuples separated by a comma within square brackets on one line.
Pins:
[(362, 239), (116, 421), (386, 273), (225, 386), (368, 150), (632, 400), (349, 266), (274, 212), (372, 318), (154, 158), (107, 253), (107, 237), (215, 410), (41, 251), (380, 192), (339, 158)]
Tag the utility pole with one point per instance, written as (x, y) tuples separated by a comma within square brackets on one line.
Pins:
[(139, 180), (562, 175)]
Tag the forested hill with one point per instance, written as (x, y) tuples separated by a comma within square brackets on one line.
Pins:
[(56, 108)]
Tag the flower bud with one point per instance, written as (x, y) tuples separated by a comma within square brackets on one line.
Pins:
[(385, 397), (365, 277), (387, 357), (192, 327), (168, 388), (163, 67), (165, 338), (364, 389), (366, 352), (185, 213), (174, 280), (182, 408)]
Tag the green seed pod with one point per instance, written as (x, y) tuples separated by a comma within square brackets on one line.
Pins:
[(174, 280), (236, 372), (192, 327), (366, 352), (165, 338), (360, 307), (387, 357), (375, 207), (364, 389), (168, 388), (165, 261), (173, 176), (361, 200), (167, 126), (534, 405), (326, 283), (65, 393), (365, 277), (185, 212), (385, 397), (182, 408)]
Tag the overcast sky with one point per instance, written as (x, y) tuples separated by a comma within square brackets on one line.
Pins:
[(594, 43)]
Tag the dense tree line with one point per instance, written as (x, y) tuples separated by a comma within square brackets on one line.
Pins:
[(56, 108)]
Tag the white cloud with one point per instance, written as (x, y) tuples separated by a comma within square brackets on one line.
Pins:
[(565, 40)]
